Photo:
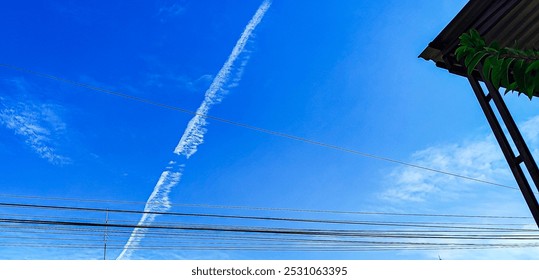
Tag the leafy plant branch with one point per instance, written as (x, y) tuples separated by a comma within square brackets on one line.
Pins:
[(508, 67)]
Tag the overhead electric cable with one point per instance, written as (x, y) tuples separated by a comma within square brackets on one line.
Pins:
[(208, 237), (165, 237), (345, 222), (267, 208), (325, 232), (46, 229), (250, 127), (455, 246), (355, 244)]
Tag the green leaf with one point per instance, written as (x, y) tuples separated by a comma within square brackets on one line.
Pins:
[(530, 85), (465, 37), (519, 69), (487, 66), (468, 59), (504, 71), (466, 41), (496, 72), (474, 33), (461, 52), (475, 39), (521, 52), (511, 87), (533, 66), (475, 60), (494, 45)]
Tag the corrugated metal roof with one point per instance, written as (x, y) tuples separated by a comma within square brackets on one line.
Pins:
[(504, 21)]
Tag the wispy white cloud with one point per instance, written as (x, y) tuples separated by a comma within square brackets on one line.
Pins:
[(413, 190), (80, 14), (193, 135), (196, 84), (481, 159), (38, 124), (530, 131), (161, 80), (171, 10)]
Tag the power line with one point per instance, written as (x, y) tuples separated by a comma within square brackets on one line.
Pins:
[(265, 208), (280, 219), (83, 234), (175, 235), (302, 232), (164, 237), (355, 239), (272, 242), (169, 242), (46, 229), (247, 126), (188, 228), (233, 229), (380, 247)]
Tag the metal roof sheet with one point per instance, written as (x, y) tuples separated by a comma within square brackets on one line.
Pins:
[(504, 21)]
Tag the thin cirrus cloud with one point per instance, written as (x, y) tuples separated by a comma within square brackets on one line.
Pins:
[(188, 84), (481, 159), (37, 124), (530, 131), (413, 190), (193, 135), (170, 10)]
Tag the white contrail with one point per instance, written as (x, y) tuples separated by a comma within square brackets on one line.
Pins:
[(192, 136)]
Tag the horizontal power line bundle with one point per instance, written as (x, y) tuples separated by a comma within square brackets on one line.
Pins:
[(60, 226)]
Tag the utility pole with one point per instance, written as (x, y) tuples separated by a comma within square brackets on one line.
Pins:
[(105, 236)]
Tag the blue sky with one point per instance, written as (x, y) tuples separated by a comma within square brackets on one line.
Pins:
[(344, 73)]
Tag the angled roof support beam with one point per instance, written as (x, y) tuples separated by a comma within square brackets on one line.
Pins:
[(524, 153)]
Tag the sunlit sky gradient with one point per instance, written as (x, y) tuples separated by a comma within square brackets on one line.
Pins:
[(344, 73)]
